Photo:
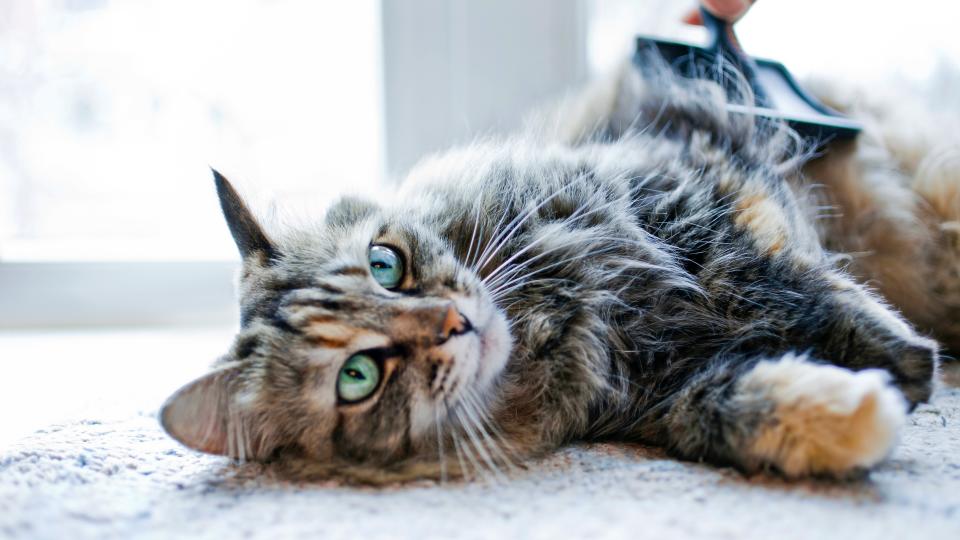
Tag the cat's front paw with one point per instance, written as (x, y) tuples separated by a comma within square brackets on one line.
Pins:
[(824, 420)]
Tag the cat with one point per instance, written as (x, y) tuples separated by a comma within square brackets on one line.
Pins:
[(639, 265)]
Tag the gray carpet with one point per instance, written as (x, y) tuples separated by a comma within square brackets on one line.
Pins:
[(125, 479)]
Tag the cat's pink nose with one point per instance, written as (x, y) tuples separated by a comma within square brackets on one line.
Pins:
[(454, 324)]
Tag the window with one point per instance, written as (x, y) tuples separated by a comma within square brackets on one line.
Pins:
[(111, 112), (114, 110)]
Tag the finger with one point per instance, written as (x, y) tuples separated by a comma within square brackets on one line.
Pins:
[(693, 17), (728, 10)]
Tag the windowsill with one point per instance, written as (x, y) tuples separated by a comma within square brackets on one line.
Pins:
[(120, 249), (128, 294), (105, 373)]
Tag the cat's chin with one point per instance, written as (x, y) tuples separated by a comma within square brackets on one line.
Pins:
[(495, 345)]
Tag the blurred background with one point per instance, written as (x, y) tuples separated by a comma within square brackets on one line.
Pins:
[(115, 266)]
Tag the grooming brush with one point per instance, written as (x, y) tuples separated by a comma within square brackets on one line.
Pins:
[(776, 94)]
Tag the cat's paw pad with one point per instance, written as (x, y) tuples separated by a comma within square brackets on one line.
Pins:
[(824, 419)]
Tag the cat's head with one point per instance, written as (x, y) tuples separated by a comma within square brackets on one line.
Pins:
[(360, 343)]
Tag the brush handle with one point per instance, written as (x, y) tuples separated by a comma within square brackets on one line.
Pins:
[(724, 43), (722, 37)]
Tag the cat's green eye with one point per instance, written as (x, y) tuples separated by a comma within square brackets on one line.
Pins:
[(386, 266), (358, 378)]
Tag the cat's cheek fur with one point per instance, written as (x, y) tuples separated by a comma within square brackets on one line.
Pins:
[(424, 415), (495, 346), (825, 420)]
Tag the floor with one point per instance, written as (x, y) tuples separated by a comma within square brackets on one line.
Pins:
[(108, 373), (101, 468)]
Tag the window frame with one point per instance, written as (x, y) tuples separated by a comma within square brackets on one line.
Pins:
[(431, 101)]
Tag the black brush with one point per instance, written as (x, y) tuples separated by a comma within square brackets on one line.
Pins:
[(776, 94)]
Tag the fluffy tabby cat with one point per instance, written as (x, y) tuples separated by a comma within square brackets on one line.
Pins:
[(644, 266)]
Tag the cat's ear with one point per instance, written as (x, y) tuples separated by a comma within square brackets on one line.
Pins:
[(205, 415), (348, 210), (247, 233)]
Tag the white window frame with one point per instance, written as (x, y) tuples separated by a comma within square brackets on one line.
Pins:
[(87, 294), (452, 69)]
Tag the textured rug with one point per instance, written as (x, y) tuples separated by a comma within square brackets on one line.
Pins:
[(125, 479)]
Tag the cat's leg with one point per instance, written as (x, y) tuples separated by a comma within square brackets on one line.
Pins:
[(788, 414), (852, 328)]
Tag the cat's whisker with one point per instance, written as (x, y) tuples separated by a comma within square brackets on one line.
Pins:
[(578, 214), (440, 447), (515, 269), (617, 243), (478, 255), (231, 434), (240, 436), (474, 439), (468, 449), (233, 442), (495, 234), (463, 466), (572, 218), (498, 441), (473, 235), (518, 221), (487, 445), (503, 236), (511, 286), (243, 439), (515, 284), (513, 273), (473, 410), (503, 288)]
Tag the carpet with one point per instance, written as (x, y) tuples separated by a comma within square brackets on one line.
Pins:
[(123, 478)]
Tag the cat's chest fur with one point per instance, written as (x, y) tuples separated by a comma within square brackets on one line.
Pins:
[(623, 265)]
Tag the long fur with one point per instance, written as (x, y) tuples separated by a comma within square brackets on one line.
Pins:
[(647, 266)]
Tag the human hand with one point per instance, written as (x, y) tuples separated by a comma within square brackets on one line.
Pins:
[(728, 10)]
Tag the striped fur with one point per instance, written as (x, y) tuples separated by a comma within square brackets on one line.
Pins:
[(640, 265)]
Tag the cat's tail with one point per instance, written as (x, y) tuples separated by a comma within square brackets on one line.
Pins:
[(898, 189)]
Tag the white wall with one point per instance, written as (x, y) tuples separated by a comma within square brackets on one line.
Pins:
[(455, 69)]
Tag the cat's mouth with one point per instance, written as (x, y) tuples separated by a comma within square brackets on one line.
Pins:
[(491, 344)]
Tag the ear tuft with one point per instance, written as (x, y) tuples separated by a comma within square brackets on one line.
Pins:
[(203, 415), (247, 233)]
